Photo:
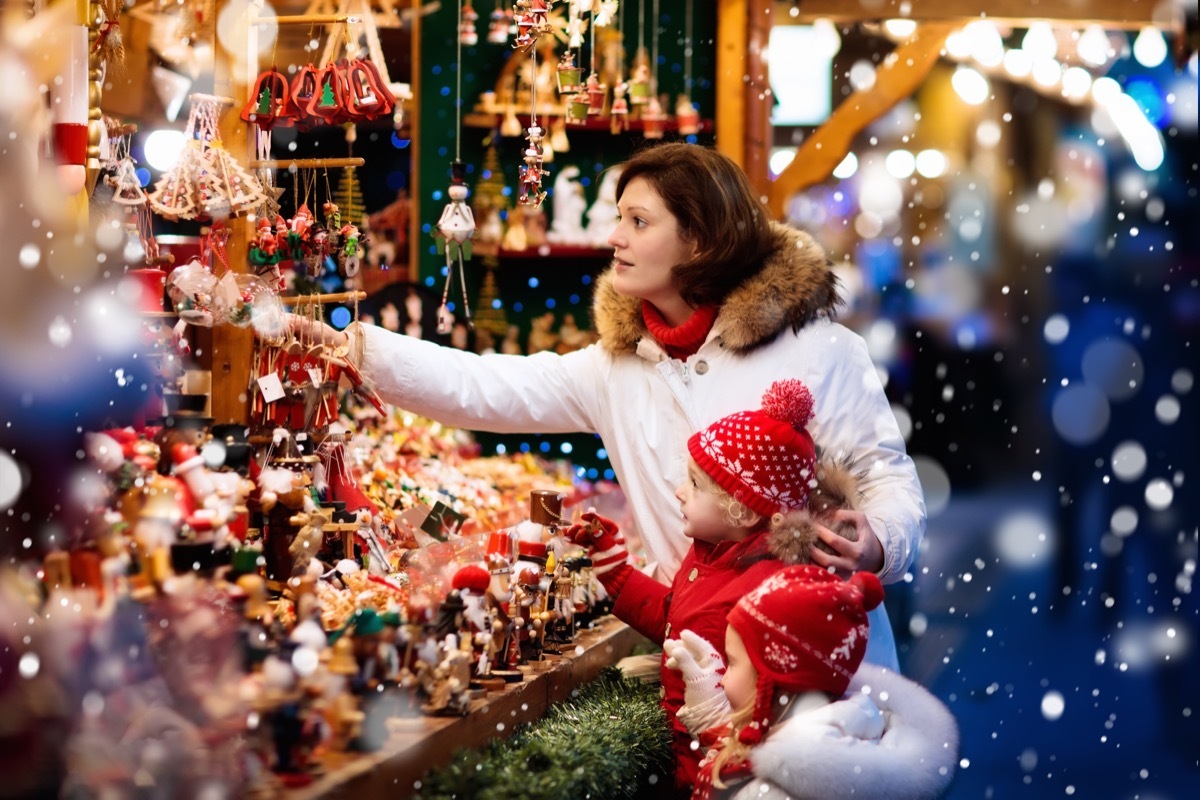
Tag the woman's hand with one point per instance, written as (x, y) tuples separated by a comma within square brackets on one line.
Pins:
[(865, 554)]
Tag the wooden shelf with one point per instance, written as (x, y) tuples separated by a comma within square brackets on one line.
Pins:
[(418, 744), (481, 119), (555, 251)]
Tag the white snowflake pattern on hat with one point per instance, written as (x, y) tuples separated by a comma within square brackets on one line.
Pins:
[(780, 657)]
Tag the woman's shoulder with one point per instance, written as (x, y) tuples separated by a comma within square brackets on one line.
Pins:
[(795, 287)]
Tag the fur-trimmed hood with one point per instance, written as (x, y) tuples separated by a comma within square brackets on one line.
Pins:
[(793, 535), (888, 738), (794, 287)]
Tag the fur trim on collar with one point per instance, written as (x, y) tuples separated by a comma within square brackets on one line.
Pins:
[(794, 287), (819, 755), (793, 535)]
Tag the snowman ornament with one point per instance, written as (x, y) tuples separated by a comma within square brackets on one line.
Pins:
[(455, 229)]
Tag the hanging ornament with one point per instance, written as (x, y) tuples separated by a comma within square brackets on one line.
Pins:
[(568, 74), (639, 77), (455, 229), (499, 24), (531, 17), (597, 93), (127, 187), (456, 226), (577, 109), (686, 115), (653, 119), (575, 26), (348, 256), (532, 170), (619, 113), (206, 181), (466, 26), (605, 13)]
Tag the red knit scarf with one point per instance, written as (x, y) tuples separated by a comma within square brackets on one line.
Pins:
[(683, 340)]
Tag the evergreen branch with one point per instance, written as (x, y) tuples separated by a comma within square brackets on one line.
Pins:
[(611, 740)]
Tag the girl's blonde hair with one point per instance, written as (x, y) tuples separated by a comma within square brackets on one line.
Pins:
[(736, 512), (733, 750)]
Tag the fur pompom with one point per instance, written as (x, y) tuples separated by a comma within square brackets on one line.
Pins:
[(792, 537), (872, 590), (789, 401)]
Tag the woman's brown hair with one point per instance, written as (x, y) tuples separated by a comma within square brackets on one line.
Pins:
[(717, 211)]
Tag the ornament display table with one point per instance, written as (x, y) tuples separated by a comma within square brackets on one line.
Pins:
[(417, 744)]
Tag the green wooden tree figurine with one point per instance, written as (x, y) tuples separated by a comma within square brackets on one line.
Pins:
[(264, 102), (349, 197), (489, 314), (328, 100)]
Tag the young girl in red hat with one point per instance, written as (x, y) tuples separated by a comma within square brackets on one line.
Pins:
[(797, 713), (748, 506)]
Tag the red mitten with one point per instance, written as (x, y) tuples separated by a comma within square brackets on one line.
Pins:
[(602, 539)]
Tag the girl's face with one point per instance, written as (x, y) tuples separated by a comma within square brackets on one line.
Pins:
[(703, 517), (646, 247), (741, 678)]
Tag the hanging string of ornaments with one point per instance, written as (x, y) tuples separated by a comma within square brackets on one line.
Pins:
[(206, 181), (456, 226)]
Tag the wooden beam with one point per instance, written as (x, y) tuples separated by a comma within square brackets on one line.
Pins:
[(899, 75), (1123, 14), (758, 99), (413, 112), (232, 347), (731, 79)]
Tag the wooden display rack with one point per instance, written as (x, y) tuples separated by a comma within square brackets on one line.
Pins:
[(418, 744)]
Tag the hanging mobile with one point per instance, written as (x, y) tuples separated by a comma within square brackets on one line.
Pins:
[(686, 114), (456, 226), (533, 170)]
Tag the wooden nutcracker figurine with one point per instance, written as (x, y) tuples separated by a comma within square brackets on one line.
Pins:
[(562, 590), (529, 602), (448, 683)]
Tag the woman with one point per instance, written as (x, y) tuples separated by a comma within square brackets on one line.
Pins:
[(705, 305)]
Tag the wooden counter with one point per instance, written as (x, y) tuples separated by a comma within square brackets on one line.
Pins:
[(417, 744)]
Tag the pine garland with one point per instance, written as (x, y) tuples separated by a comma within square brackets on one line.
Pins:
[(610, 741)]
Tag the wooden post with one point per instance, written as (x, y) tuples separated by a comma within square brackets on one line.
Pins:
[(730, 81), (413, 114), (232, 347), (758, 133), (901, 73)]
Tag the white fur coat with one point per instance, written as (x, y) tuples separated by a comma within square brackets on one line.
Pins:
[(887, 738)]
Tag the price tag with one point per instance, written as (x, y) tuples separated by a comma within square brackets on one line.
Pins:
[(315, 375), (271, 387)]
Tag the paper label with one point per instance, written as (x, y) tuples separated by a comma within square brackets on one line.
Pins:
[(271, 387)]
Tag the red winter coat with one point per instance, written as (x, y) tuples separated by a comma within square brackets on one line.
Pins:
[(711, 579)]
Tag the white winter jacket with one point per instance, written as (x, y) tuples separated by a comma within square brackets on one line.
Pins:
[(886, 739), (645, 405)]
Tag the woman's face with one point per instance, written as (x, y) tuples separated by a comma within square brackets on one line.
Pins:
[(646, 247), (740, 680)]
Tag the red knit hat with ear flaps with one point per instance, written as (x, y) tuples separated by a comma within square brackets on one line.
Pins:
[(805, 629), (763, 458)]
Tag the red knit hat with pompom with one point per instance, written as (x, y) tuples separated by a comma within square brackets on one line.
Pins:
[(805, 629), (763, 458)]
